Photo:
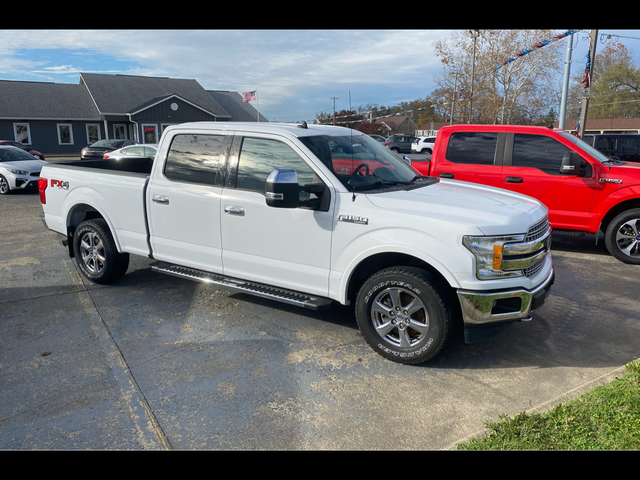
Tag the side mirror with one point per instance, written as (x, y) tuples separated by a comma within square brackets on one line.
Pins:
[(407, 159), (572, 164), (281, 188)]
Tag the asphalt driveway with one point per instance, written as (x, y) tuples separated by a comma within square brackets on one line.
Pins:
[(155, 362)]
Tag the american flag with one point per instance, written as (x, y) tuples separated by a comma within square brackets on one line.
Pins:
[(248, 96)]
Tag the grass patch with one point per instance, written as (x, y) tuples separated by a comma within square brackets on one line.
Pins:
[(607, 418)]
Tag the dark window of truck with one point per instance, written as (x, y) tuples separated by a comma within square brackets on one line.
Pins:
[(538, 151), (260, 156), (195, 159), (477, 148)]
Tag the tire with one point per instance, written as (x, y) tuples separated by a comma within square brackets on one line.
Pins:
[(622, 237), (395, 150), (410, 336), (96, 254), (4, 186)]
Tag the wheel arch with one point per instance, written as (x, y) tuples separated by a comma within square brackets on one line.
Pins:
[(79, 213), (376, 262), (617, 210)]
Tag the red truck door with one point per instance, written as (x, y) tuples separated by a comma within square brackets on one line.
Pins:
[(532, 167), (471, 156)]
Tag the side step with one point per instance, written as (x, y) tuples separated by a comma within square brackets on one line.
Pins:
[(266, 291)]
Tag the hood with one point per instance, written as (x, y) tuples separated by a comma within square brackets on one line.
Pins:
[(630, 169), (494, 211), (34, 165)]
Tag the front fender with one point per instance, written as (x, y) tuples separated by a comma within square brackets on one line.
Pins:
[(447, 258), (609, 201)]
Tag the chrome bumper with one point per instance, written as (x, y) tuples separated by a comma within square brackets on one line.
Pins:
[(486, 309)]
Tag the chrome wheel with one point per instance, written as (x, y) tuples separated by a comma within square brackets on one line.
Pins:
[(92, 252), (622, 236), (4, 185), (400, 317), (628, 238)]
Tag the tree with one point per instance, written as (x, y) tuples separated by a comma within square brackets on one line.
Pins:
[(518, 91), (615, 87)]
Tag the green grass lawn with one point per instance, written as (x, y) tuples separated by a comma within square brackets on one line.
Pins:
[(607, 418)]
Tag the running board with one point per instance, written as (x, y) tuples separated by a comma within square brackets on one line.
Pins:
[(266, 291)]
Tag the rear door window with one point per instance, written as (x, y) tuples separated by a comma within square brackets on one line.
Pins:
[(196, 159), (476, 148)]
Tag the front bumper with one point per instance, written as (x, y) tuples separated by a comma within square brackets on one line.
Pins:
[(486, 314)]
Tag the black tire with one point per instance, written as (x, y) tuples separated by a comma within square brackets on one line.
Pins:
[(404, 336), (395, 150), (622, 237), (4, 186), (96, 254)]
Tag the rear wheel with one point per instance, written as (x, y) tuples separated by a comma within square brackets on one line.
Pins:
[(403, 315), (622, 237), (96, 253)]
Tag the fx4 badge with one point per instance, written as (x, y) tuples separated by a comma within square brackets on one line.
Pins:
[(60, 184)]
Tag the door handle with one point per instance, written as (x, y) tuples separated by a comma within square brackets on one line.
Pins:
[(446, 175), (514, 179), (231, 210), (160, 199)]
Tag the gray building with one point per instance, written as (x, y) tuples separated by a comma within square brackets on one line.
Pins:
[(61, 119)]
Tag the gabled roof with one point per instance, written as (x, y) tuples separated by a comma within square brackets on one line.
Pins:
[(239, 110), (44, 100), (121, 94)]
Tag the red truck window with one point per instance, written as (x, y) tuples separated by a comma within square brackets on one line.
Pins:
[(537, 151), (477, 148)]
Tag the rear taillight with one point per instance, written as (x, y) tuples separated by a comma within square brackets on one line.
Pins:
[(42, 186), (386, 144)]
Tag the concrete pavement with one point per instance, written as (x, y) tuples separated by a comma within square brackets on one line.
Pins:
[(155, 362)]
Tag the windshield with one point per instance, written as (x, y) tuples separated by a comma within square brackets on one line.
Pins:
[(363, 164), (14, 154), (586, 147)]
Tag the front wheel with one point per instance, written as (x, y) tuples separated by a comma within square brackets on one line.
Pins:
[(622, 237), (96, 253), (403, 315), (4, 186)]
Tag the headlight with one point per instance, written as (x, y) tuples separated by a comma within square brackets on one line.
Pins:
[(488, 252), (18, 172)]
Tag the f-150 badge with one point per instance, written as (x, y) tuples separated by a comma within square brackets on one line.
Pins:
[(354, 219)]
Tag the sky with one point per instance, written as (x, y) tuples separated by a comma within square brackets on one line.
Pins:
[(296, 73)]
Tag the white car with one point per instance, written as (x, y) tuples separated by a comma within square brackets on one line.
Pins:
[(147, 150), (19, 170), (423, 145)]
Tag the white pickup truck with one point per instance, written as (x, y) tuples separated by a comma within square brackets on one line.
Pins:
[(309, 215)]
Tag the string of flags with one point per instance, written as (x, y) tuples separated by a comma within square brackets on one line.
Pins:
[(460, 94)]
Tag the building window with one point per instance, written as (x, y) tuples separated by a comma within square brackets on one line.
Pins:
[(120, 132), (21, 133), (149, 134), (65, 134), (93, 133)]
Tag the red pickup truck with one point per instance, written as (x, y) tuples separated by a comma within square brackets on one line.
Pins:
[(585, 191)]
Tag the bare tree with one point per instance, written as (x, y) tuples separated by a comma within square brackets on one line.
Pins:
[(515, 80)]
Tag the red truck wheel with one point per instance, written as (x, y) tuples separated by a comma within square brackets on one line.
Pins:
[(622, 237)]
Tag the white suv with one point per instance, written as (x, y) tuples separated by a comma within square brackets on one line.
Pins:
[(423, 145)]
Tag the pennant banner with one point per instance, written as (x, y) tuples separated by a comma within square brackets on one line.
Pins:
[(460, 94)]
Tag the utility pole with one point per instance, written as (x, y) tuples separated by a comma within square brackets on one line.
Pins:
[(585, 100), (474, 34), (334, 109), (565, 87)]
